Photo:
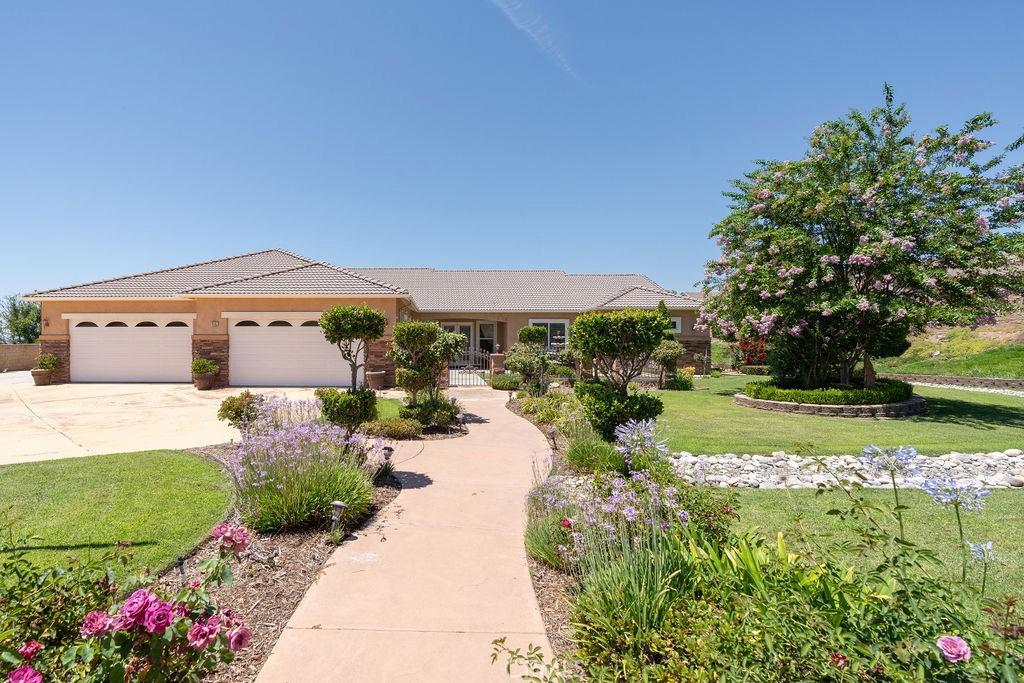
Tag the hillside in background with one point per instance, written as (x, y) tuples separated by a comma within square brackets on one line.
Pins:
[(995, 350)]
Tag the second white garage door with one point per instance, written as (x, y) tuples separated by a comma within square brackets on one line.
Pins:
[(284, 353), (131, 350)]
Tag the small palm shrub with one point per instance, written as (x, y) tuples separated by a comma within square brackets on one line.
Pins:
[(287, 473), (397, 428), (508, 381)]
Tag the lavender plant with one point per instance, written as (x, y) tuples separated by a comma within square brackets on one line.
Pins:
[(290, 466)]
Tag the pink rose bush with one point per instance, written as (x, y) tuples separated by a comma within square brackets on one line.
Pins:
[(25, 674), (232, 537)]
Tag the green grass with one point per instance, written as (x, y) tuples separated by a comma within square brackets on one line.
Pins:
[(387, 408), (163, 502), (1006, 362), (801, 513), (707, 421)]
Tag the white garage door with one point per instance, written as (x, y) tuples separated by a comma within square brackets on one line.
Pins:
[(131, 351), (284, 353)]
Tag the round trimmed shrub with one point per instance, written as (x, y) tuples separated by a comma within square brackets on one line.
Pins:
[(397, 428), (348, 409), (204, 366), (532, 334), (606, 407), (435, 412), (884, 391)]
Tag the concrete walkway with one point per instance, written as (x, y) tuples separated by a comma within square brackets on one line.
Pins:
[(421, 593)]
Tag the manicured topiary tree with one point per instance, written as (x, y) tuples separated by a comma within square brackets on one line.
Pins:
[(421, 351), (667, 355), (351, 329), (870, 236), (618, 345)]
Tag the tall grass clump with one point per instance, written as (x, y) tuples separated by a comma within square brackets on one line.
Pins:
[(291, 465)]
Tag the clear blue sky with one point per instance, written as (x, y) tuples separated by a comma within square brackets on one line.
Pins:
[(585, 135)]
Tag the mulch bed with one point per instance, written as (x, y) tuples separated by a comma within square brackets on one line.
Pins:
[(552, 588), (270, 579)]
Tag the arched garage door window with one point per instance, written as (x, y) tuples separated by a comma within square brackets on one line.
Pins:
[(116, 323), (280, 323), (247, 323), (176, 323), (86, 323), (310, 323), (146, 323)]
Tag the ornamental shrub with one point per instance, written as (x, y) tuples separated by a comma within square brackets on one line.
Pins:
[(348, 409), (532, 334), (884, 391), (754, 369), (291, 465), (667, 355), (351, 329), (440, 411), (530, 361), (66, 624), (47, 361), (619, 344), (421, 351), (606, 407), (509, 381), (239, 410), (680, 382), (397, 428), (204, 366)]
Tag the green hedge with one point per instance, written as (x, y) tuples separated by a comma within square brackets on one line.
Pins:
[(754, 369), (509, 381), (884, 391)]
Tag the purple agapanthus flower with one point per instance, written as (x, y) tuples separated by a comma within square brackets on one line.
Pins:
[(963, 493), (638, 436), (892, 460), (982, 552)]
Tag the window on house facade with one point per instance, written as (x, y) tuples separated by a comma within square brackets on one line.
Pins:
[(558, 332), (677, 325)]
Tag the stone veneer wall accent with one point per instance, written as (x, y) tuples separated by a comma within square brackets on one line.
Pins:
[(983, 382), (217, 351), (377, 360), (694, 347), (18, 356), (61, 348), (915, 405)]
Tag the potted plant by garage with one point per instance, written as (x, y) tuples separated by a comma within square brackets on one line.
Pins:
[(42, 373), (204, 371)]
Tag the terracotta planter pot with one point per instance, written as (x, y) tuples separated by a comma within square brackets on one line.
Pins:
[(41, 377), (204, 381), (375, 380)]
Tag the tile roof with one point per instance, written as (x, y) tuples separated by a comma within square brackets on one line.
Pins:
[(646, 297), (434, 290), (229, 273)]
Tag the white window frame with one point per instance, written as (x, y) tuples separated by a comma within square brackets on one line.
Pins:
[(677, 324), (457, 324), (547, 323)]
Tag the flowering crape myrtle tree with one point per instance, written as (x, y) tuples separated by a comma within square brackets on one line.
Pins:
[(873, 234)]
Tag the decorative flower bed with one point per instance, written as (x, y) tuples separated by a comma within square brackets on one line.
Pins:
[(884, 391)]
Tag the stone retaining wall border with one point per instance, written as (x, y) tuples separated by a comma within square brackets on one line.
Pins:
[(915, 405)]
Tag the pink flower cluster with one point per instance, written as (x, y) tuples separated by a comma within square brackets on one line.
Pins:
[(860, 260), (232, 537), (144, 609), (764, 193), (30, 649), (758, 208), (203, 633), (830, 259), (25, 674)]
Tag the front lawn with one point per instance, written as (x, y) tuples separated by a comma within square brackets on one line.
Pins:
[(799, 513), (388, 408), (163, 502), (706, 421)]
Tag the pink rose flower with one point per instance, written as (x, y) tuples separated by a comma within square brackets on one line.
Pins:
[(25, 674), (954, 648), (232, 537), (202, 634), (30, 649), (239, 637), (158, 617), (133, 611)]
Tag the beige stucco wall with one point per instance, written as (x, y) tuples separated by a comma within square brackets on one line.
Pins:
[(208, 310), (509, 323)]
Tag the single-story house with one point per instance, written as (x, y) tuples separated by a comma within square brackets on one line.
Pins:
[(256, 315)]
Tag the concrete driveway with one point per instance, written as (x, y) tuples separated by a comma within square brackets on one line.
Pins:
[(71, 420)]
